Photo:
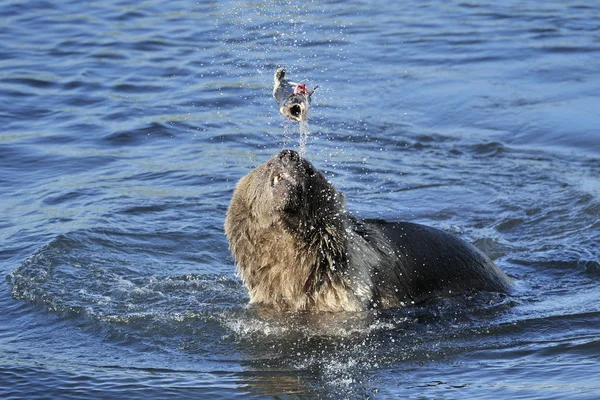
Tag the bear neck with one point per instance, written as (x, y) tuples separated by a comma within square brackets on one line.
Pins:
[(301, 269)]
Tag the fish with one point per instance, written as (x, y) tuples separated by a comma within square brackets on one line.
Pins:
[(293, 98)]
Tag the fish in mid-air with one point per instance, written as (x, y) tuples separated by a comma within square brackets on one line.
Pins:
[(293, 98)]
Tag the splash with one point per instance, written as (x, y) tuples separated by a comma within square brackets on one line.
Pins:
[(304, 132)]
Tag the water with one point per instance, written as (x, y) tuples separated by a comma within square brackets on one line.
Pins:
[(125, 127), (304, 131)]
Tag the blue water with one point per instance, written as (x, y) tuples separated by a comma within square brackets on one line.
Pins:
[(125, 126)]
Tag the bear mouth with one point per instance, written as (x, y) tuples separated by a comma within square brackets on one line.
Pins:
[(286, 191), (287, 175), (280, 178), (289, 167)]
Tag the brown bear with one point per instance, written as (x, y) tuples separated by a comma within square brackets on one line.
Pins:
[(297, 248)]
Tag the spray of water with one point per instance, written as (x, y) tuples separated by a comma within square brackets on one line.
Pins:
[(304, 132), (290, 130)]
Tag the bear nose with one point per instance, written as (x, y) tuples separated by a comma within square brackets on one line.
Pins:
[(289, 156)]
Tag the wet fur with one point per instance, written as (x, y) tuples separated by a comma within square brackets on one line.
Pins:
[(297, 248)]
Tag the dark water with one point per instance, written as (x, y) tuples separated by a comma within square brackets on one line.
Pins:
[(125, 125)]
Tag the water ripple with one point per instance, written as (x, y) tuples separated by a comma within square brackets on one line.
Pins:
[(126, 127)]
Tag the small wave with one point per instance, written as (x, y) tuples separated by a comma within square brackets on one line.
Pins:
[(491, 149), (92, 275), (132, 137), (31, 82)]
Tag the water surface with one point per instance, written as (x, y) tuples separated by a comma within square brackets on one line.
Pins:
[(125, 127)]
